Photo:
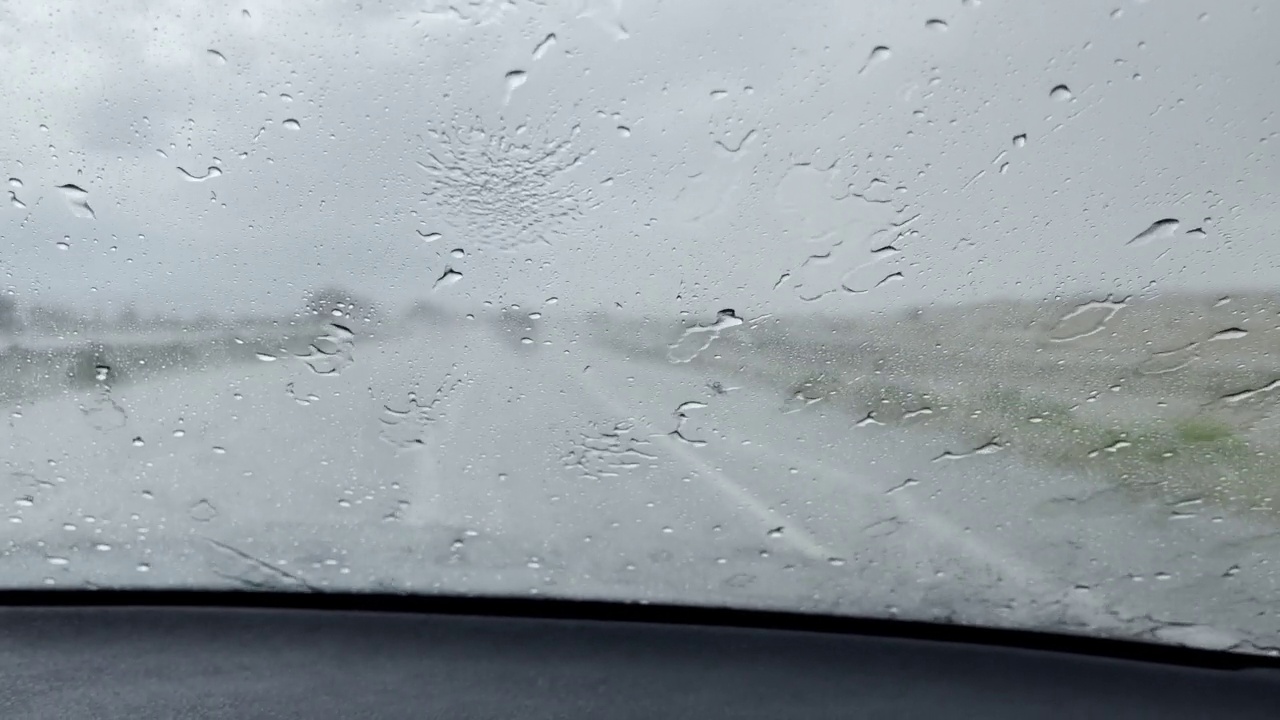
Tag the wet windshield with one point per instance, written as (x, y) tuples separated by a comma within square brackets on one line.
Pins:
[(961, 311)]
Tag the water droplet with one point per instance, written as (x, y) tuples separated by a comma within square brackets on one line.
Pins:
[(448, 277), (57, 560), (1234, 333), (266, 357), (14, 201), (1020, 140), (937, 25), (879, 54), (138, 442), (836, 561), (624, 131), (428, 237), (699, 337), (1060, 93), (203, 511), (63, 245), (543, 47), (143, 567), (292, 124), (458, 253), (102, 547), (217, 56), (774, 532), (209, 174), (1085, 319), (25, 501), (514, 80), (219, 450), (179, 433), (15, 182), (988, 448), (101, 372), (1169, 360), (77, 198), (1159, 229)]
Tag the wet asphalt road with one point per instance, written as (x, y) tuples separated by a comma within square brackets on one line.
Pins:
[(461, 460)]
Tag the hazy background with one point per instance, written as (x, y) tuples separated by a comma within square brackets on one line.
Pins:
[(658, 156)]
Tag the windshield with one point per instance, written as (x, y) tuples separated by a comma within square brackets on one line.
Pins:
[(957, 311)]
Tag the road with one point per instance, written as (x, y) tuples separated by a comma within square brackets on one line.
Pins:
[(461, 460)]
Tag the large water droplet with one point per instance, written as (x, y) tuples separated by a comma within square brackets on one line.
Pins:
[(514, 79), (699, 337), (937, 25), (203, 511), (547, 43), (292, 124), (77, 198), (879, 54), (1229, 334), (1085, 319), (209, 174), (1159, 229), (1060, 93), (448, 277)]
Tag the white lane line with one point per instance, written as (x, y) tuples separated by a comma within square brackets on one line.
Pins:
[(1088, 608), (793, 534), (949, 534)]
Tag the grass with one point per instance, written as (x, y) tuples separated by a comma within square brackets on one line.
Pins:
[(1201, 453), (1173, 459)]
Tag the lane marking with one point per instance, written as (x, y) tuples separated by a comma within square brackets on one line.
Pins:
[(794, 534), (947, 533), (1087, 608)]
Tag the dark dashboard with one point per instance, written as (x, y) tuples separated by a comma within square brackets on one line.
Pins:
[(247, 655)]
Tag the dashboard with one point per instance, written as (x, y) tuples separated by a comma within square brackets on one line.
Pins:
[(105, 654)]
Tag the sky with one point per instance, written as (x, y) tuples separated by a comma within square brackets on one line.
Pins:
[(657, 157)]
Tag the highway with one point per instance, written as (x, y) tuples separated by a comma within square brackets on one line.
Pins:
[(458, 459)]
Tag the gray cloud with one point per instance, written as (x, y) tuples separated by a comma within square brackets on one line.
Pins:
[(706, 151)]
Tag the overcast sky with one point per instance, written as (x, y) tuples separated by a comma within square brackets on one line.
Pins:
[(664, 156)]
